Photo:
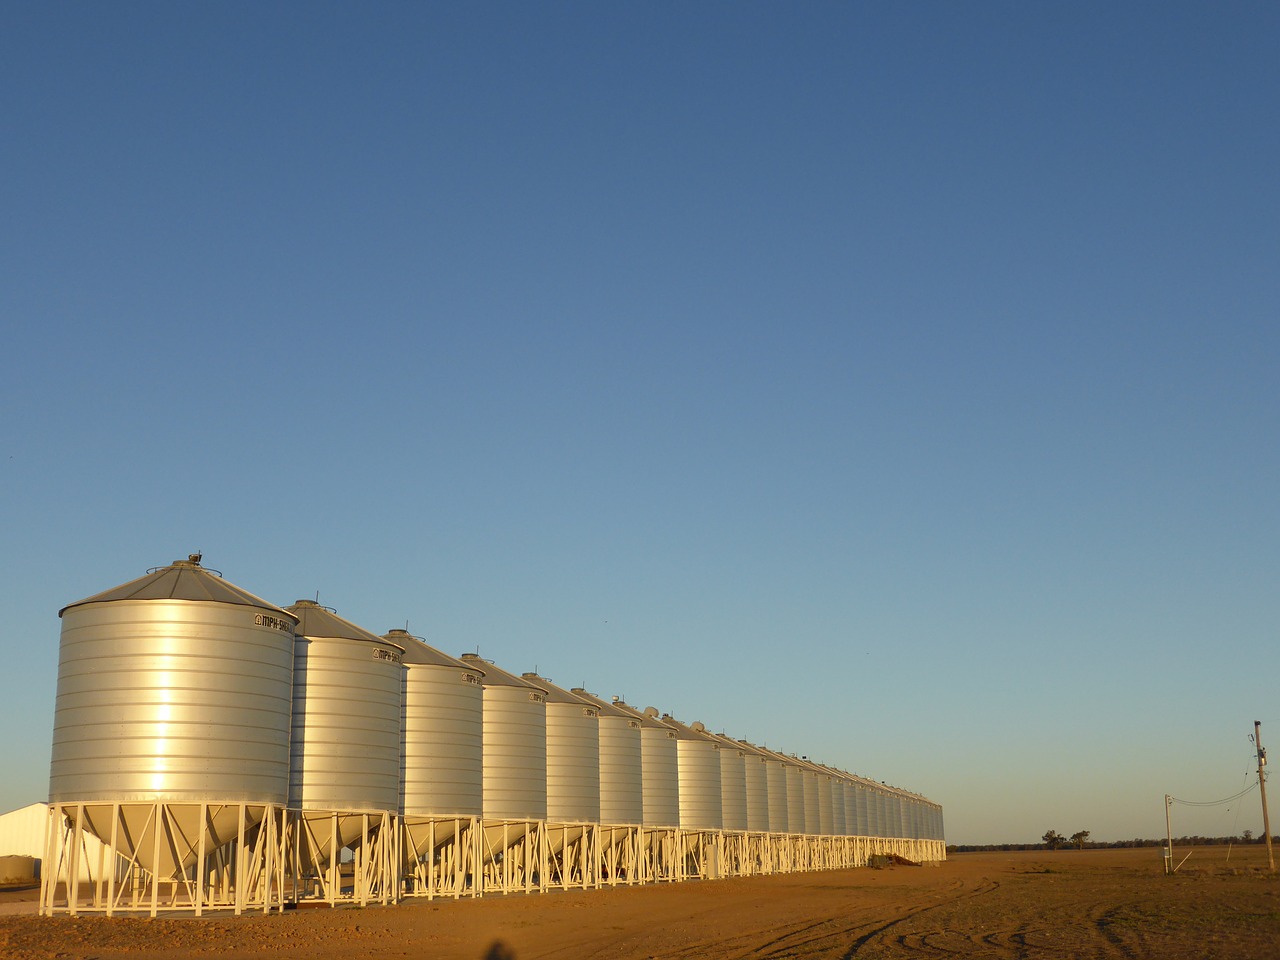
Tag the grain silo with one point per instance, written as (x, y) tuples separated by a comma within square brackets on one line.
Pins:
[(817, 799), (621, 791), (733, 783), (515, 744), (573, 754), (515, 778), (837, 803), (660, 857), (442, 754), (660, 769), (758, 798), (345, 751), (442, 766), (172, 709), (862, 801), (347, 704), (797, 805), (698, 756), (621, 763), (851, 827)]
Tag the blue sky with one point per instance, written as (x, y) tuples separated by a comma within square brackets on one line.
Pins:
[(887, 383)]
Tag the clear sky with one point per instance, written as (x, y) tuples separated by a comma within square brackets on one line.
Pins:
[(891, 383)]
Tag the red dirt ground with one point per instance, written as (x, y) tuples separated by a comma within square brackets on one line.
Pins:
[(1066, 904)]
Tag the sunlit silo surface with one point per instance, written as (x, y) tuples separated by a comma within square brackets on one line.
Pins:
[(346, 715), (442, 749), (246, 745), (698, 755), (776, 772), (621, 769), (757, 777), (733, 784), (796, 821), (175, 686), (851, 808), (573, 755), (514, 745), (812, 808), (660, 768)]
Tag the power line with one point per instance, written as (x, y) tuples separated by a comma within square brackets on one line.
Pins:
[(1213, 803)]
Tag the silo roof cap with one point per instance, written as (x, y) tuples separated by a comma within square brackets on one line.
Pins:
[(181, 580), (417, 650), (496, 676), (317, 621), (554, 694), (606, 708), (646, 718), (694, 731)]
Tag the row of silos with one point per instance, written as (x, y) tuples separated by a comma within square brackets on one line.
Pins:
[(181, 688)]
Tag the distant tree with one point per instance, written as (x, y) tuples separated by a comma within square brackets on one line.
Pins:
[(1247, 836), (1079, 839), (1053, 839)]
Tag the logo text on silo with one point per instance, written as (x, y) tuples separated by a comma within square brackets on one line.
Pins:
[(274, 623), (389, 655)]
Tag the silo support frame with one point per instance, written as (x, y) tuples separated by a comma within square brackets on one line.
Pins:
[(182, 856), (316, 865), (661, 857), (573, 859), (622, 855), (514, 856), (442, 856)]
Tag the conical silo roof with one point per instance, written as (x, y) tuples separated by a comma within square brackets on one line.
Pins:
[(417, 650), (317, 621), (606, 708), (648, 717), (181, 580), (692, 731), (554, 694), (495, 676)]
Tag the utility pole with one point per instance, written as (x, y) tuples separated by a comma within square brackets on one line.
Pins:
[(1262, 788), (1168, 833)]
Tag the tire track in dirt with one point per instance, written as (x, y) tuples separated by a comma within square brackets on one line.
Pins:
[(830, 938)]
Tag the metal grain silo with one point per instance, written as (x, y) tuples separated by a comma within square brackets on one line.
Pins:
[(851, 827), (442, 755), (698, 756), (733, 783), (515, 745), (776, 773), (818, 793), (862, 802), (660, 768), (621, 763), (812, 810), (837, 804), (757, 769), (898, 806), (347, 704), (795, 806), (573, 755), (173, 688)]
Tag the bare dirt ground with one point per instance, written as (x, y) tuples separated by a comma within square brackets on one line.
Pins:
[(1066, 904)]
